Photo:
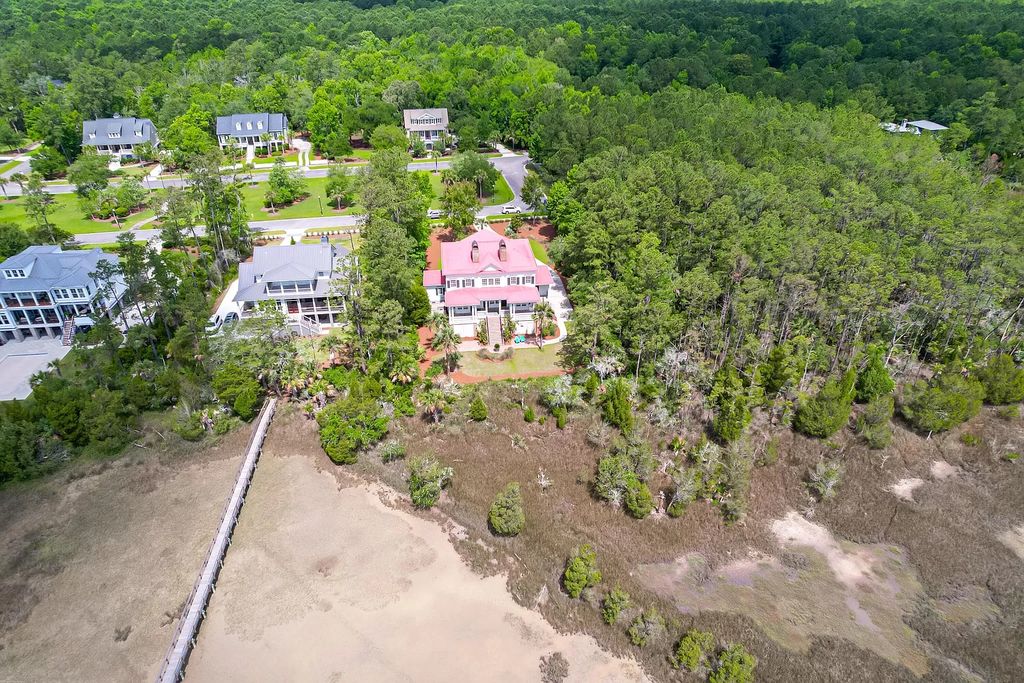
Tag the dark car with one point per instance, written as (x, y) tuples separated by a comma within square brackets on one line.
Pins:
[(231, 318)]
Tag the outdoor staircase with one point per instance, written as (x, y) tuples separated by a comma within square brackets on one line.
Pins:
[(493, 330), (69, 332), (309, 327)]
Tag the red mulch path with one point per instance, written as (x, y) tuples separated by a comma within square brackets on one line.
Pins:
[(540, 230)]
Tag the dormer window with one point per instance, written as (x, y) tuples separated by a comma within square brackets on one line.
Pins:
[(14, 273), (248, 125), (238, 125), (259, 125), (92, 136)]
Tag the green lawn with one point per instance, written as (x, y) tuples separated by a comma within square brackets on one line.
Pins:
[(253, 196), (8, 165), (523, 360), (65, 213), (502, 192), (109, 246), (539, 252)]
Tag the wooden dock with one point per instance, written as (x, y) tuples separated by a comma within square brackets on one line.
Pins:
[(173, 669)]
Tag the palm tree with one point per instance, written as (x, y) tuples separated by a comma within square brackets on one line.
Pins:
[(435, 321), (447, 342), (433, 401), (404, 370), (543, 315), (436, 154)]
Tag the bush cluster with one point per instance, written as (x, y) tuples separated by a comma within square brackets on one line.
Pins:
[(506, 516), (581, 571)]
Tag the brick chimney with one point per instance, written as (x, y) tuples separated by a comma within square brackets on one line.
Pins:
[(502, 251), (474, 252)]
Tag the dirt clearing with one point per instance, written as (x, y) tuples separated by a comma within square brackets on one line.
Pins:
[(99, 559), (325, 581)]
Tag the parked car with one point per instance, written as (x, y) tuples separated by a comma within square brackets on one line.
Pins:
[(214, 323), (231, 318), (434, 213), (510, 208)]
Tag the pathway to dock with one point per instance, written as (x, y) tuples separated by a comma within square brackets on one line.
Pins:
[(173, 668)]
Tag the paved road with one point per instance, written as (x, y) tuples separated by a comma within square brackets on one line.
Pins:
[(512, 166)]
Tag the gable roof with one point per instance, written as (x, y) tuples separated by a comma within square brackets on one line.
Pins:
[(239, 125), (48, 267), (287, 264), (119, 130), (414, 118), (457, 257)]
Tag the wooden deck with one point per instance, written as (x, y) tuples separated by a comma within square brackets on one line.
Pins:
[(173, 668)]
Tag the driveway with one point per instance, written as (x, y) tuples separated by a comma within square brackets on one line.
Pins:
[(20, 360)]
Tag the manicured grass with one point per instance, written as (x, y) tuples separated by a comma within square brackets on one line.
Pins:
[(524, 359), (109, 246), (539, 252), (9, 165), (502, 192), (66, 213), (253, 196)]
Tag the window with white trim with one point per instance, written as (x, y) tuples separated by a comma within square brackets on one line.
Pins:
[(529, 280), (14, 273), (4, 320), (513, 280), (490, 282), (467, 282), (453, 284)]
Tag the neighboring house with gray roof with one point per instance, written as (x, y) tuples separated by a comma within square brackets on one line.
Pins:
[(48, 292), (253, 130), (429, 125), (300, 279), (118, 136)]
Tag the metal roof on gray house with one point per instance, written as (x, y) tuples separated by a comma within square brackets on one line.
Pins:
[(245, 125), (425, 119), (49, 267), (290, 263), (119, 130)]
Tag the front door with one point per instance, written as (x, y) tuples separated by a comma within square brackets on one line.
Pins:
[(493, 306)]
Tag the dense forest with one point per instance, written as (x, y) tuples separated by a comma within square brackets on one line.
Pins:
[(725, 201)]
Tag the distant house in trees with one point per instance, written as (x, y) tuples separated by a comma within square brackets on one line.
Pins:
[(914, 127), (48, 292), (300, 279), (429, 125), (486, 276), (269, 131), (118, 136)]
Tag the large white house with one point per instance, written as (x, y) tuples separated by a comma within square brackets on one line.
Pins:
[(48, 292), (261, 130), (429, 125), (119, 136), (485, 276), (301, 280)]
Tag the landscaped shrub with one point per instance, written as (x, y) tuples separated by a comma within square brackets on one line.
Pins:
[(647, 626), (616, 407), (351, 424), (823, 480), (1003, 381), (581, 571), (506, 516), (874, 381), (613, 604), (825, 414), (591, 386), (734, 665), (942, 403), (481, 332), (873, 424), (638, 498), (247, 402), (478, 409), (561, 417), (427, 478), (693, 650)]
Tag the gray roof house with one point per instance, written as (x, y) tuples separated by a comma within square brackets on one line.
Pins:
[(426, 124), (249, 129), (299, 278), (118, 135), (45, 290)]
